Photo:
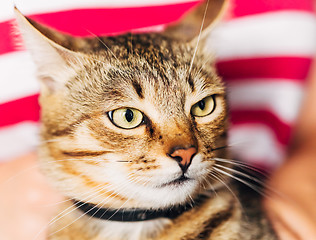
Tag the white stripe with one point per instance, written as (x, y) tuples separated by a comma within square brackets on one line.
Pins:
[(17, 76), (256, 144), (278, 33), (17, 140), (6, 10), (36, 6), (283, 98)]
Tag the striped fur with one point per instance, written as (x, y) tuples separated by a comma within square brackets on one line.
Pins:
[(89, 158)]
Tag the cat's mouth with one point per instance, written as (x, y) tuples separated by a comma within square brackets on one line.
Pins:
[(177, 182)]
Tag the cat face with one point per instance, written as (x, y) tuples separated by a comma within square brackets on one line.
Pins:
[(128, 121)]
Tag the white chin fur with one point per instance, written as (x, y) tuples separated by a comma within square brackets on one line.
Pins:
[(158, 193), (167, 196)]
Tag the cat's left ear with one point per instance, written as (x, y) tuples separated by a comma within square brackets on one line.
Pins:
[(199, 22), (55, 63)]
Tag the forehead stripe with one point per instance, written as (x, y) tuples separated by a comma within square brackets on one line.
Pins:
[(138, 89), (191, 83)]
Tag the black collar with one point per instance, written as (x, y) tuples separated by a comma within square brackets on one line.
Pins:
[(135, 215)]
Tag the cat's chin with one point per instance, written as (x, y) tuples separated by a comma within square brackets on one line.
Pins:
[(175, 192), (177, 183)]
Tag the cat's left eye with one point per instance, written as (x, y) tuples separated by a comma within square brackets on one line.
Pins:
[(204, 107), (126, 118)]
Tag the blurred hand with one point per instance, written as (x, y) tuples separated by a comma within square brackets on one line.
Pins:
[(293, 212), (27, 202)]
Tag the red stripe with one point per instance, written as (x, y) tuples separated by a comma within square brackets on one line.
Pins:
[(112, 21), (294, 68), (243, 8), (83, 22), (264, 117), (23, 109), (7, 43)]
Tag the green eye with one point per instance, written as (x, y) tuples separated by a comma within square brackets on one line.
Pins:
[(204, 107), (126, 118)]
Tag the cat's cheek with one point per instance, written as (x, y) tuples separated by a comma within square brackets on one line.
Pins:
[(199, 167)]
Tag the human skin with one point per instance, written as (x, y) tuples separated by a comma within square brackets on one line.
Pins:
[(27, 202), (293, 211)]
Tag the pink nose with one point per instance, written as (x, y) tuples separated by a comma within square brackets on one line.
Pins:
[(184, 156)]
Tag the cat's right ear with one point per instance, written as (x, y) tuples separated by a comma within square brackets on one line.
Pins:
[(198, 22), (55, 64)]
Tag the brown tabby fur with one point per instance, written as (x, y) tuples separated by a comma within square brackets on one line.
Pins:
[(90, 159)]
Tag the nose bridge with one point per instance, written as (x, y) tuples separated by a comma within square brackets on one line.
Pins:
[(180, 135), (179, 142)]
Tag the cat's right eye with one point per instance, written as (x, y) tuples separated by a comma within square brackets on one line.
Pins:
[(126, 118), (204, 107)]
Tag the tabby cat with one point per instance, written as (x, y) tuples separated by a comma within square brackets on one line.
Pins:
[(134, 134)]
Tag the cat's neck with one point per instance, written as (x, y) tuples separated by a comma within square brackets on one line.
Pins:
[(81, 226), (137, 214), (133, 224), (132, 230), (73, 222)]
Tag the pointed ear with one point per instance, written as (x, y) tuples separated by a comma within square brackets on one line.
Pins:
[(200, 20), (55, 63)]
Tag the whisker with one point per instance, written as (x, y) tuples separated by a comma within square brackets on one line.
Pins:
[(69, 209), (219, 148), (56, 203), (49, 141), (213, 189), (94, 195), (242, 165), (62, 214), (213, 174), (127, 201), (198, 39), (207, 61), (255, 188), (103, 43), (24, 171), (18, 174), (104, 201), (83, 214), (252, 178), (96, 188)]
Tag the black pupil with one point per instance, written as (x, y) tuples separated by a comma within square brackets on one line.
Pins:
[(201, 104), (129, 115)]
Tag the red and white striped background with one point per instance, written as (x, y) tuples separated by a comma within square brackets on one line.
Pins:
[(264, 52)]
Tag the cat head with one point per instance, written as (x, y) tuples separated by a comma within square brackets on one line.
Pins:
[(134, 120)]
